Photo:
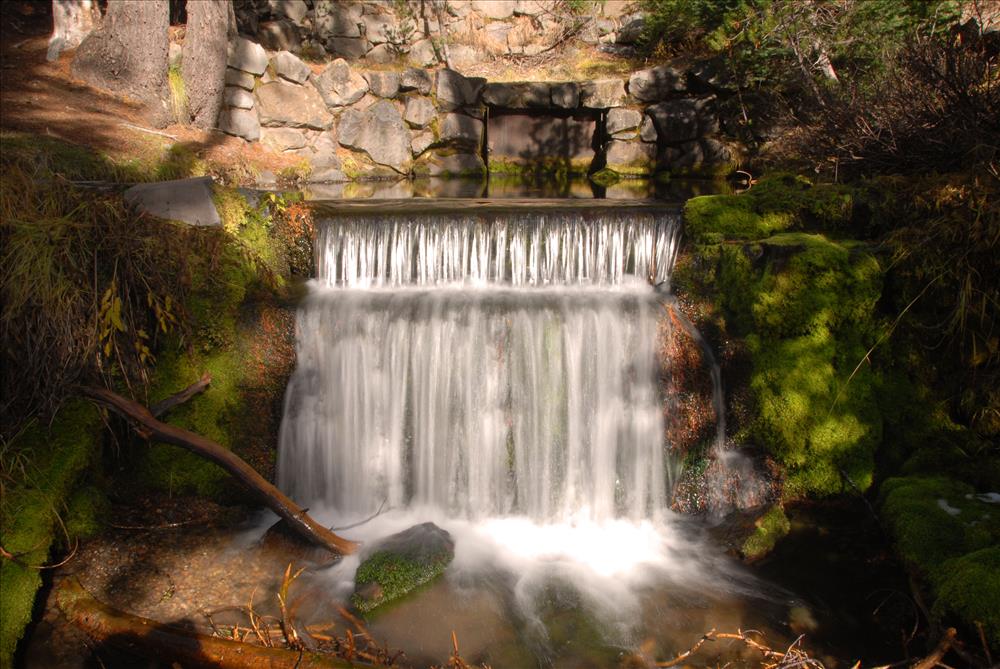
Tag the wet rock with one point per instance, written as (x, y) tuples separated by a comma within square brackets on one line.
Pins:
[(383, 84), (656, 83), (419, 112), (603, 93), (397, 565), (247, 56), (339, 85), (240, 122), (239, 78), (461, 130), (186, 200), (283, 104), (288, 66), (619, 120), (380, 132)]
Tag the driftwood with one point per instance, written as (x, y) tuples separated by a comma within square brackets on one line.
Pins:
[(298, 520), (161, 642), (165, 405)]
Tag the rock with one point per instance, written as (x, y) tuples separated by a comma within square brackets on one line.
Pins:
[(282, 139), (463, 56), (604, 26), (348, 47), (631, 157), (240, 122), (295, 10), (603, 93), (679, 120), (532, 7), (377, 28), (239, 78), (324, 151), (238, 97), (174, 55), (688, 156), (422, 53), (396, 565), (342, 21), (414, 79), (497, 9), (631, 29), (280, 35), (186, 200), (419, 111), (279, 541), (339, 85), (619, 120), (648, 131), (381, 54), (380, 132), (715, 152), (383, 84), (247, 56), (655, 83), (518, 95), (453, 90), (289, 66), (501, 95), (281, 103), (565, 96), (328, 175), (421, 142), (457, 164), (461, 130)]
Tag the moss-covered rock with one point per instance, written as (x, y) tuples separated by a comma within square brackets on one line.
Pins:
[(770, 528), (33, 511), (401, 563)]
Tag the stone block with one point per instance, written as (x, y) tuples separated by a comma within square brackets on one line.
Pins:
[(603, 93), (565, 96), (383, 84), (280, 103), (421, 142), (460, 130), (381, 54), (453, 91), (422, 53), (377, 28), (647, 132), (380, 132), (680, 120), (238, 97), (280, 35), (419, 111), (239, 78), (247, 56), (619, 120), (294, 10), (282, 139), (656, 83), (631, 157), (352, 48), (339, 85), (414, 79), (497, 9), (186, 200), (240, 122), (288, 66)]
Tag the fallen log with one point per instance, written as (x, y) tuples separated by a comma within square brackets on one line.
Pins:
[(166, 404), (164, 643), (298, 520)]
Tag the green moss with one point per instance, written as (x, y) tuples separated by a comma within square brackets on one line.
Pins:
[(393, 576), (605, 177), (969, 589), (87, 507), (31, 510), (771, 527), (552, 168)]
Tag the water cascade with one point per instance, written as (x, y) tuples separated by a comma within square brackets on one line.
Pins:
[(487, 364)]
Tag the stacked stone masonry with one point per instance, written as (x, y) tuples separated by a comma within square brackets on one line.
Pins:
[(355, 118)]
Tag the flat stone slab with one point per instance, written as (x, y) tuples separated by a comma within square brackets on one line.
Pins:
[(186, 200)]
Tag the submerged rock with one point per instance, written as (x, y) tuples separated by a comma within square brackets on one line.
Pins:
[(401, 563)]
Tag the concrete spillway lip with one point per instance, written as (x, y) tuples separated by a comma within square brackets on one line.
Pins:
[(423, 206)]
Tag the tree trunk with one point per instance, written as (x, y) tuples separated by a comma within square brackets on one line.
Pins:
[(72, 21), (210, 24), (128, 54)]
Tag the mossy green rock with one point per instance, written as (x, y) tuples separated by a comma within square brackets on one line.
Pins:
[(770, 528), (401, 563)]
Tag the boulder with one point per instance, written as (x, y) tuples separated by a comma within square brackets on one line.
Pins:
[(460, 130), (380, 132), (419, 111), (648, 131), (680, 120), (603, 93), (280, 35), (688, 156), (247, 56), (294, 10), (283, 104), (497, 9), (238, 97), (239, 78), (414, 79), (620, 120), (463, 56), (378, 28), (283, 139), (348, 47), (324, 151), (339, 85), (631, 29), (421, 142), (288, 66), (656, 83), (565, 96), (383, 84), (342, 20), (422, 53), (631, 157), (240, 122), (186, 200), (453, 90), (381, 54)]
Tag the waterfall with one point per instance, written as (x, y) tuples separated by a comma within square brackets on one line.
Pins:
[(484, 364)]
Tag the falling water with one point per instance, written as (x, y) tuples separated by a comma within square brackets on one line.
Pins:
[(484, 364)]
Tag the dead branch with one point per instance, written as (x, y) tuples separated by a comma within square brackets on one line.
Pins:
[(689, 652), (943, 646), (298, 520), (162, 642), (165, 405)]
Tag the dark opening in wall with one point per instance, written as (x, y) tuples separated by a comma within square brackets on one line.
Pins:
[(548, 142)]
